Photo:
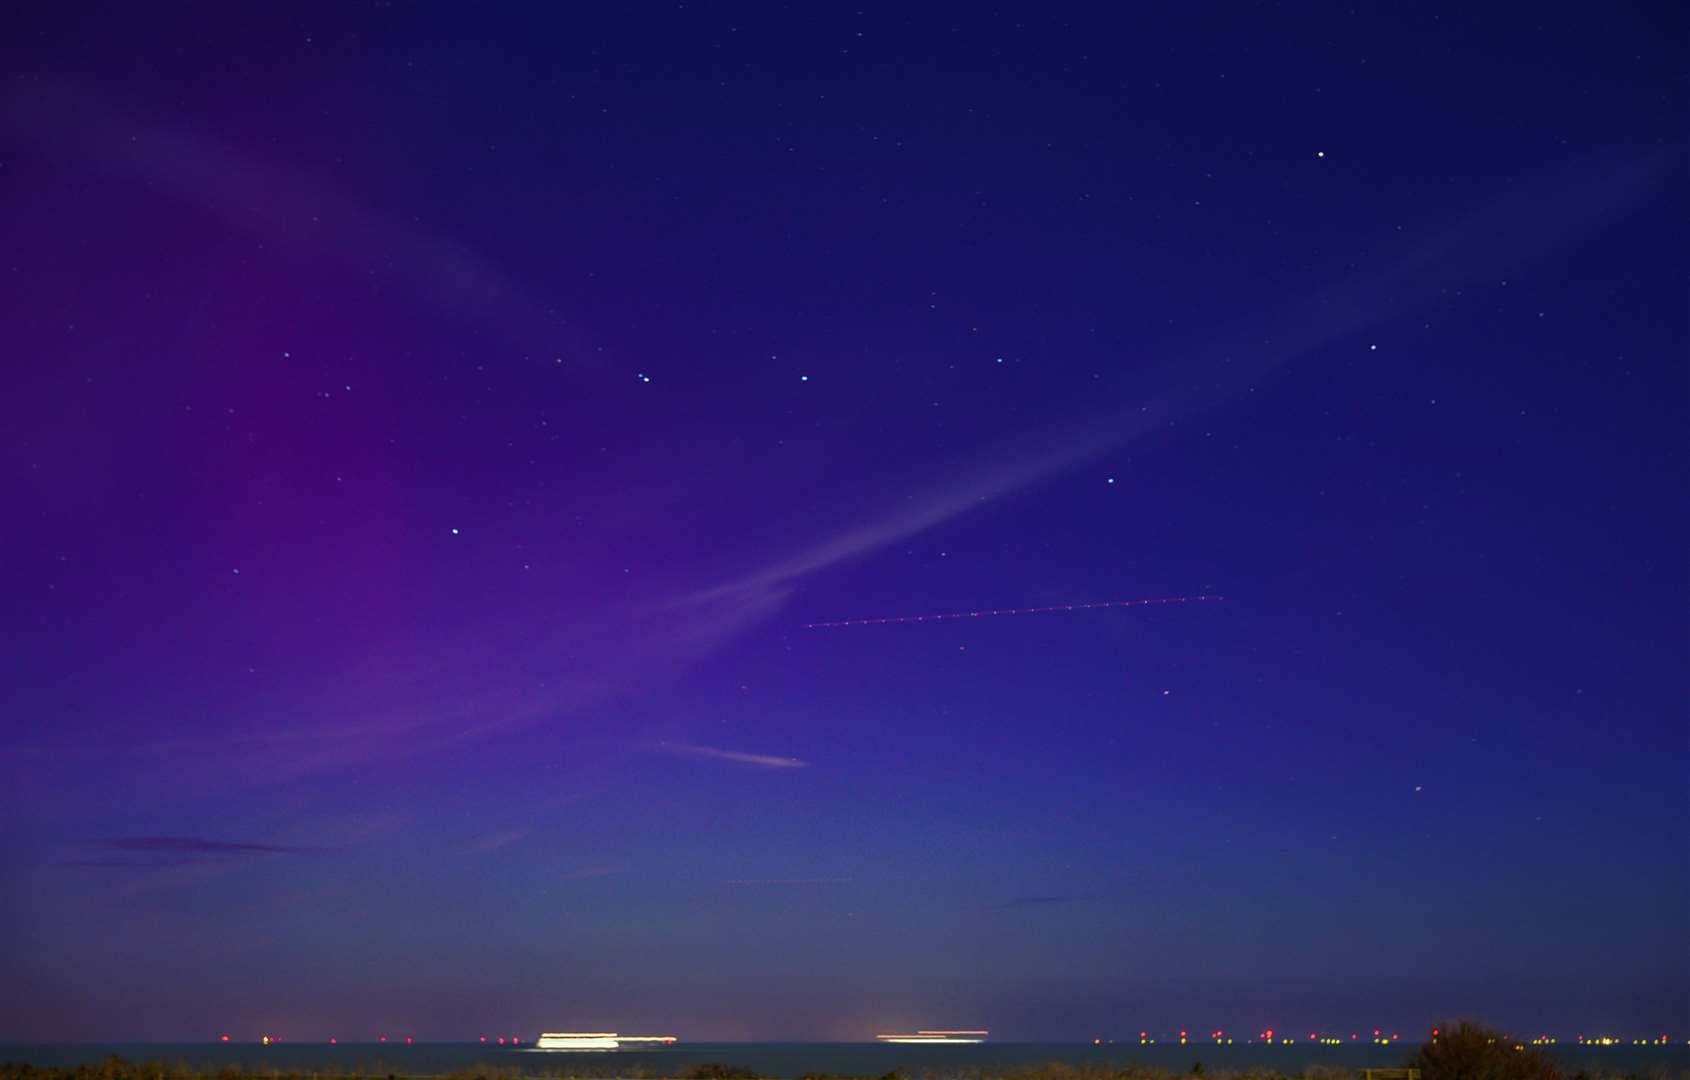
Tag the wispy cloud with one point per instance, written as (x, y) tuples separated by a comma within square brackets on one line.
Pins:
[(196, 845), (503, 838), (1040, 901), (586, 873), (270, 198), (738, 757), (1527, 222), (148, 852)]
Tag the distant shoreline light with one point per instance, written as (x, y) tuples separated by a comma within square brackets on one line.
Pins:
[(595, 1040)]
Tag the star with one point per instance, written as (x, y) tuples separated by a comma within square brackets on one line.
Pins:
[(454, 532)]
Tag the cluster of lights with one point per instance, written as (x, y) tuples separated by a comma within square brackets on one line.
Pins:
[(267, 1040), (1267, 1036)]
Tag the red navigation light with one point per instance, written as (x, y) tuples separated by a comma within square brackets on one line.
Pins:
[(333, 1040), (1311, 1036), (484, 1038), (1393, 1038), (407, 1040), (1352, 1035), (515, 1040), (223, 1038), (501, 1040), (1182, 1034), (1375, 1033), (383, 1038)]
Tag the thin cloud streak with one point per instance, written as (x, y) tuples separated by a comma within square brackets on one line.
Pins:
[(737, 757), (270, 199), (1528, 221), (160, 852), (193, 845), (499, 840), (587, 873)]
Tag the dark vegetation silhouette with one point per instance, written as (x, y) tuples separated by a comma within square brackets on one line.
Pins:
[(1467, 1051), (1462, 1052)]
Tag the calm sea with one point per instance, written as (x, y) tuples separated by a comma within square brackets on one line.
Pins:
[(790, 1059)]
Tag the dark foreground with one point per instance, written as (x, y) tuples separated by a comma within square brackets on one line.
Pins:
[(116, 1068)]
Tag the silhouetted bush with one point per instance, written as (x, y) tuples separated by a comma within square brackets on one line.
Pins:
[(1468, 1051), (713, 1071)]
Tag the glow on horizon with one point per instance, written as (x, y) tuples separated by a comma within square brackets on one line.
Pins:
[(935, 1037)]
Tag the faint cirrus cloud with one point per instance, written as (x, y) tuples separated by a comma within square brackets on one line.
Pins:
[(737, 757), (586, 873), (495, 841), (149, 852), (1527, 221), (286, 203)]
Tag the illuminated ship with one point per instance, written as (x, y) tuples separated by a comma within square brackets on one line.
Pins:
[(594, 1040), (940, 1038)]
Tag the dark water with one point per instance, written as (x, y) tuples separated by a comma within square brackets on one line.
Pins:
[(792, 1059)]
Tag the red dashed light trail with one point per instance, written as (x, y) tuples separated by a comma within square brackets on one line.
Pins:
[(1010, 611)]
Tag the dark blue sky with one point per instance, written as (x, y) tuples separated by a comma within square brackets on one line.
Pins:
[(426, 431)]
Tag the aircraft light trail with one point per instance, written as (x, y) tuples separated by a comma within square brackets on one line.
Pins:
[(1009, 611)]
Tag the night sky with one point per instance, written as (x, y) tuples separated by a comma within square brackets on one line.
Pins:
[(427, 431)]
